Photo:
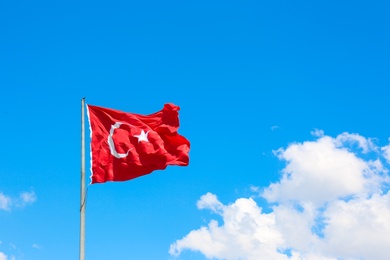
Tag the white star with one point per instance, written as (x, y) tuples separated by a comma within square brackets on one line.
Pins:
[(142, 136)]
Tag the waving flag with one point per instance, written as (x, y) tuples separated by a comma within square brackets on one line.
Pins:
[(126, 145)]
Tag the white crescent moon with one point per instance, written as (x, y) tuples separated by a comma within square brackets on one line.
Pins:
[(112, 145)]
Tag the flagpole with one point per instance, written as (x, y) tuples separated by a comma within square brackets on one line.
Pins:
[(82, 183)]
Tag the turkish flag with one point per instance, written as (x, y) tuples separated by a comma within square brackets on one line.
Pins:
[(126, 145)]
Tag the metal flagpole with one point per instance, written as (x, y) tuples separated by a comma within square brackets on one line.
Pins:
[(82, 190)]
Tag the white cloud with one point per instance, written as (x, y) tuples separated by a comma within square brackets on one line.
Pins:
[(330, 203), (386, 152), (5, 202), (366, 144), (25, 198), (320, 171), (210, 201), (245, 234), (359, 228), (3, 256), (254, 189), (317, 133), (36, 246), (316, 172)]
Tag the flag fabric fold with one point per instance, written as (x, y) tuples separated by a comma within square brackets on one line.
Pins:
[(125, 145)]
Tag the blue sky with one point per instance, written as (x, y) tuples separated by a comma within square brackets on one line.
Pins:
[(285, 105)]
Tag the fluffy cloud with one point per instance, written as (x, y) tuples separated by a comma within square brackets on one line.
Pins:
[(25, 198), (332, 202), (323, 170), (246, 232), (3, 256), (359, 227)]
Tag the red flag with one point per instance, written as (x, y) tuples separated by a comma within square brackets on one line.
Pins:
[(126, 145)]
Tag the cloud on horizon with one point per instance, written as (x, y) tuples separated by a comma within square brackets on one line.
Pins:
[(332, 201)]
